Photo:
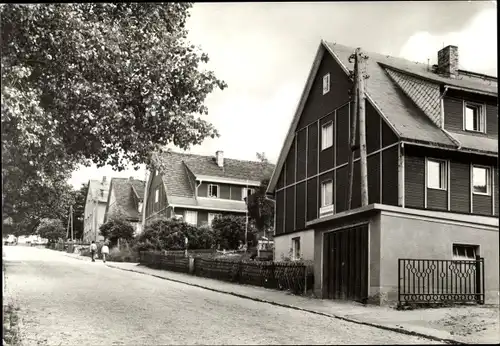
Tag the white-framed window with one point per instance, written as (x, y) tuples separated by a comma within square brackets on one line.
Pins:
[(245, 192), (191, 217), (436, 174), (157, 195), (464, 252), (211, 217), (481, 181), (474, 117), (326, 83), (326, 193), (213, 191), (296, 248), (327, 135)]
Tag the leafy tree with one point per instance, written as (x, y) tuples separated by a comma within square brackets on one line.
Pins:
[(52, 229), (79, 197), (229, 230), (106, 83), (115, 229)]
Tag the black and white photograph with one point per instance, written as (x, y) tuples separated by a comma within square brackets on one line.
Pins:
[(250, 173)]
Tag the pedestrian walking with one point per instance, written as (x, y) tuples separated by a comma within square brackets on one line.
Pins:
[(93, 250), (104, 252)]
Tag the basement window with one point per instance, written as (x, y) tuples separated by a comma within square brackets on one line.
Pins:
[(296, 248), (474, 117), (464, 252), (326, 83), (481, 180), (436, 174), (213, 191), (327, 135)]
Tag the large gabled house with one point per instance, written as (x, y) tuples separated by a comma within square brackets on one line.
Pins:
[(95, 209), (198, 188), (125, 201), (432, 153)]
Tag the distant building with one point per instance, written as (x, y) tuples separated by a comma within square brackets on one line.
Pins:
[(125, 199), (95, 209)]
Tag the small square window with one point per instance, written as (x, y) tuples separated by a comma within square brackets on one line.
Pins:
[(474, 117), (326, 193), (464, 252), (327, 135), (326, 83), (481, 180), (213, 191), (436, 174)]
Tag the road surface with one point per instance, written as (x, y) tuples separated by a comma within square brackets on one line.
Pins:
[(66, 301)]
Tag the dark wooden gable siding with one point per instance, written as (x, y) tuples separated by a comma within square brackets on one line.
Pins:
[(459, 164), (151, 206), (453, 104), (495, 191), (298, 196)]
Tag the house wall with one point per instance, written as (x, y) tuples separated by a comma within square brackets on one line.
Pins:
[(152, 208), (457, 197), (453, 105), (226, 191), (283, 245), (298, 196), (203, 214), (407, 236)]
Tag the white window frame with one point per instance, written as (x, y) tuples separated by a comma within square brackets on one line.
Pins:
[(244, 191), (443, 174), (327, 135), (326, 83), (209, 188), (323, 192), (211, 217), (295, 255), (488, 180), (157, 195), (194, 213), (482, 116)]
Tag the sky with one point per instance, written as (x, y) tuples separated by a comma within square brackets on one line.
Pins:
[(264, 52)]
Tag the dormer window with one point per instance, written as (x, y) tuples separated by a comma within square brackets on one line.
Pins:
[(213, 191), (326, 83), (474, 117)]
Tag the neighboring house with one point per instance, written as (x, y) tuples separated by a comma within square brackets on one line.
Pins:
[(432, 144), (125, 201), (95, 209), (198, 188)]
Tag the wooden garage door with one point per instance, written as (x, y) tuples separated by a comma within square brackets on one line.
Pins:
[(345, 269)]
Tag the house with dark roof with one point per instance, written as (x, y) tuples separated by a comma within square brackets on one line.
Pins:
[(125, 201), (95, 209), (198, 188), (432, 154)]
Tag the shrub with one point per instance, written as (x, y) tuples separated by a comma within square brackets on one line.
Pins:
[(229, 230), (125, 254), (164, 234), (52, 229), (115, 229)]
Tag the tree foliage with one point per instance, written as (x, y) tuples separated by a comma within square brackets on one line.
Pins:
[(52, 229), (165, 234), (261, 209), (229, 230), (79, 198), (115, 229), (103, 83)]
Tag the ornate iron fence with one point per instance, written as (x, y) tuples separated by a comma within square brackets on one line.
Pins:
[(440, 281)]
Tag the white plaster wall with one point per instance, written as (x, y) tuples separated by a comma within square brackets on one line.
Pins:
[(283, 244)]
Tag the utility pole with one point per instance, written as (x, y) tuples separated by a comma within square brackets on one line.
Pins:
[(71, 219), (359, 77), (246, 217)]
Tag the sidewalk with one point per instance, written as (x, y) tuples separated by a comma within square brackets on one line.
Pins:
[(472, 324)]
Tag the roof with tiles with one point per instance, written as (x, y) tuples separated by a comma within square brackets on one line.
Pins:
[(179, 171), (125, 198), (407, 93)]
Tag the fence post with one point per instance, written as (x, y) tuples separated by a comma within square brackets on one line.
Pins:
[(478, 279), (399, 281)]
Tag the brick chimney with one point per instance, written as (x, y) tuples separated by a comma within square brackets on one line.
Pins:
[(219, 158), (448, 61)]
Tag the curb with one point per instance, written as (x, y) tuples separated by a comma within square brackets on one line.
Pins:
[(379, 326)]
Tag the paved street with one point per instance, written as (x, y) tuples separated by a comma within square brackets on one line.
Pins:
[(65, 301)]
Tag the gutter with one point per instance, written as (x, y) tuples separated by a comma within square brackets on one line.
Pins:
[(196, 188), (453, 139)]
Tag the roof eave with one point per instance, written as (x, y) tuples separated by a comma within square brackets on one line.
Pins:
[(419, 142)]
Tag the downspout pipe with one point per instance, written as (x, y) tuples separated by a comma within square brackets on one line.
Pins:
[(196, 188), (453, 139)]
